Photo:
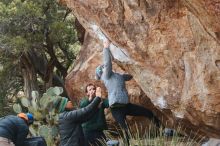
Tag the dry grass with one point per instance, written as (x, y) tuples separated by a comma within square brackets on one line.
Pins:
[(152, 137)]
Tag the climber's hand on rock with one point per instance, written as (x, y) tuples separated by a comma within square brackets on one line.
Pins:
[(106, 44)]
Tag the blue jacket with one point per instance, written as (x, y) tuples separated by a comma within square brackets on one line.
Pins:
[(71, 132), (14, 128), (114, 82)]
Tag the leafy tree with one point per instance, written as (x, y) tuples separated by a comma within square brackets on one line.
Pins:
[(38, 43)]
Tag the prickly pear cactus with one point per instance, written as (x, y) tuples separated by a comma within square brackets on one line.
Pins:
[(45, 113)]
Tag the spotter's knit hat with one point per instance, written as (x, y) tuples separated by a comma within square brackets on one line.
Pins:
[(62, 104), (28, 117)]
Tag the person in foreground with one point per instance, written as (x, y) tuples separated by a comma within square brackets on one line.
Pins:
[(14, 129), (117, 92), (93, 129), (70, 120)]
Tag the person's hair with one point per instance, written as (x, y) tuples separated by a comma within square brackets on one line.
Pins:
[(90, 84)]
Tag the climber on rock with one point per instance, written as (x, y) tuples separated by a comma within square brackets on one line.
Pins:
[(117, 92)]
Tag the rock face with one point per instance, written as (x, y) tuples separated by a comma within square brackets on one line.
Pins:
[(171, 47)]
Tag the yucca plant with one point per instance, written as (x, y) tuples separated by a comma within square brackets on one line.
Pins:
[(45, 113), (151, 137)]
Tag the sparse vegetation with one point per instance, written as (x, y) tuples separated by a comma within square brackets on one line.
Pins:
[(45, 113), (152, 137)]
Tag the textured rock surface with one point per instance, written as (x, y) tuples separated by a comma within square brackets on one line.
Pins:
[(171, 47)]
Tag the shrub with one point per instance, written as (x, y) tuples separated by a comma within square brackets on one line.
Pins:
[(45, 114)]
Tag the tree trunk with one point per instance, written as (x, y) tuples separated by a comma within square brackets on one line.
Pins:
[(45, 70), (80, 31), (29, 76), (48, 76)]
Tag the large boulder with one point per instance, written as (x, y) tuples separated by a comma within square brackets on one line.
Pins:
[(171, 47)]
